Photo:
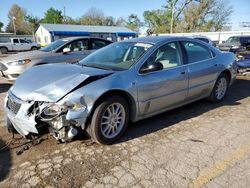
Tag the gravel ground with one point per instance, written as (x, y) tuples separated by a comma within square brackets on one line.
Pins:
[(198, 145)]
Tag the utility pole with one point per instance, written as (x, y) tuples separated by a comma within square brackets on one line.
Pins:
[(14, 25), (172, 18), (64, 14)]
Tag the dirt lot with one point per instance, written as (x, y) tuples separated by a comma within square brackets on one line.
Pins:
[(198, 145)]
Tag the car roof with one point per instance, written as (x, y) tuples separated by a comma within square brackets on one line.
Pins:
[(242, 36), (154, 39), (82, 37)]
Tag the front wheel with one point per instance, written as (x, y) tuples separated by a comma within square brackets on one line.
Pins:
[(220, 88), (109, 120)]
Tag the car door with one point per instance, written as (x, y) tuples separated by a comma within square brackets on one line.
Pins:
[(78, 50), (16, 45), (24, 44), (163, 89), (96, 44), (202, 68)]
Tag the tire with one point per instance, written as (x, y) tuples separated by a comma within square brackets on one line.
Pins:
[(33, 48), (3, 50), (220, 89), (107, 126)]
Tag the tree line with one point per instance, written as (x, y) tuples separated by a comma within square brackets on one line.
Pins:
[(173, 16)]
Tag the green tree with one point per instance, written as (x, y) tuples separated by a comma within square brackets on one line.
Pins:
[(53, 16), (1, 26), (133, 22), (16, 16), (33, 22), (157, 20)]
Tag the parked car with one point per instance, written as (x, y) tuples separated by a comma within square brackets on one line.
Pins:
[(67, 50), (205, 39), (125, 81), (18, 44), (236, 44)]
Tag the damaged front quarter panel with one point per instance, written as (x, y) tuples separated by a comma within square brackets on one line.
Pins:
[(63, 118)]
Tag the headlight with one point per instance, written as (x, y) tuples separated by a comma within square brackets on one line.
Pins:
[(19, 62), (52, 111), (235, 47)]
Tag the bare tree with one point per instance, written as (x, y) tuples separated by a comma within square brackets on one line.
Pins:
[(93, 16), (17, 21)]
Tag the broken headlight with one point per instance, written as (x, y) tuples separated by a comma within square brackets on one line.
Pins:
[(52, 111), (77, 106)]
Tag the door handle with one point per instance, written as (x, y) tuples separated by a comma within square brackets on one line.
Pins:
[(216, 65), (183, 72)]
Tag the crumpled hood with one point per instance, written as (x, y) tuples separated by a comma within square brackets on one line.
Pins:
[(25, 55), (52, 82)]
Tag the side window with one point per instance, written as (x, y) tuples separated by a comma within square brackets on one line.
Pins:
[(196, 52), (168, 55), (15, 41), (23, 41), (78, 45), (96, 44)]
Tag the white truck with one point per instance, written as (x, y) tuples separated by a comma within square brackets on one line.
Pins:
[(17, 44)]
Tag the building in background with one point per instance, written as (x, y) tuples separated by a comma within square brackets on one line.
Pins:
[(46, 33)]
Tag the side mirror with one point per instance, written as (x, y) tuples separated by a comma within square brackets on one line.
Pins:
[(66, 50), (152, 67)]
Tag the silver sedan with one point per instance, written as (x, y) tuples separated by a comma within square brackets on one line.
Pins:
[(66, 50), (123, 82)]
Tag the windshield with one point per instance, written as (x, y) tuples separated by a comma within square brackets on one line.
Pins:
[(233, 40), (117, 56), (54, 45)]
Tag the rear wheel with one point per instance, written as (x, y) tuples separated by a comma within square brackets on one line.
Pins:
[(33, 48), (109, 120), (220, 89), (3, 50)]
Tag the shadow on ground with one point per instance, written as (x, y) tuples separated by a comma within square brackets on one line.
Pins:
[(4, 87), (5, 160), (238, 91)]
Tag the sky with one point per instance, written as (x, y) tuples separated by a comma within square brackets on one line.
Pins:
[(115, 8)]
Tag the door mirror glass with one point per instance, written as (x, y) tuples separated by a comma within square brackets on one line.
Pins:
[(66, 50), (152, 67)]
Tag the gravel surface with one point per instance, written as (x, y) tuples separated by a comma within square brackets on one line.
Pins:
[(198, 145)]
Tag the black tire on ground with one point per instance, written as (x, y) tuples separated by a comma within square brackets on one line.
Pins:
[(33, 48), (214, 96), (94, 130), (3, 50)]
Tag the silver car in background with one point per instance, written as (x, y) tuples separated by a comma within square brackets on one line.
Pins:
[(125, 81), (67, 50)]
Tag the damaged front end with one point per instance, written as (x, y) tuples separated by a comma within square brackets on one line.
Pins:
[(62, 119)]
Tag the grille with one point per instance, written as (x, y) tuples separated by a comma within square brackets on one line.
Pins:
[(13, 106)]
